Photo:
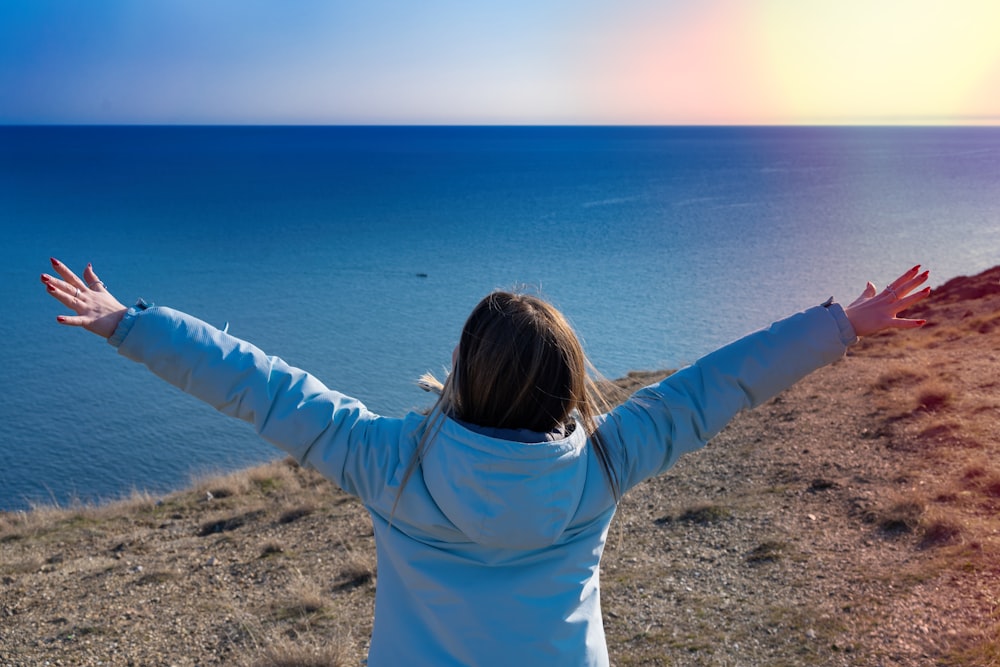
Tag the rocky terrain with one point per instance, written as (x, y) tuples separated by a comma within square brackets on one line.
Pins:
[(852, 520)]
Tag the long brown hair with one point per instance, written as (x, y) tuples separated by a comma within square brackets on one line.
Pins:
[(519, 365)]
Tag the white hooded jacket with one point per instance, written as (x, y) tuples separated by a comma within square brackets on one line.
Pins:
[(493, 551)]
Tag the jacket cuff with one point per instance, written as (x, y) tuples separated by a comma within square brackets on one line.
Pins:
[(847, 334), (127, 321)]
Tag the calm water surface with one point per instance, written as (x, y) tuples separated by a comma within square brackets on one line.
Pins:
[(356, 253)]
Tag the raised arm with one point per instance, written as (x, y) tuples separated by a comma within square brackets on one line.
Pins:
[(286, 406), (684, 411)]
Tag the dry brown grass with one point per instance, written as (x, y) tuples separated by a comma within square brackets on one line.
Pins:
[(271, 548), (295, 513), (981, 324), (897, 376), (940, 531), (934, 395), (303, 598), (293, 655), (702, 513), (979, 485), (42, 519), (901, 516), (31, 563), (226, 522), (357, 568), (158, 576), (768, 551), (263, 644), (309, 652), (943, 432), (274, 479)]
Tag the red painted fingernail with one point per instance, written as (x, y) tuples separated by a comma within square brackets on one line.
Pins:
[(53, 260), (915, 268), (45, 278), (51, 288), (60, 318)]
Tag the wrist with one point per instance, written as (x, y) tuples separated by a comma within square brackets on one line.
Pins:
[(112, 321), (126, 318), (841, 315)]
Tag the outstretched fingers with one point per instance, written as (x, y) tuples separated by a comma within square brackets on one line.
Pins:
[(913, 283), (68, 276), (94, 308), (62, 291), (866, 294), (871, 312), (67, 289), (907, 282), (907, 302), (73, 320), (93, 282)]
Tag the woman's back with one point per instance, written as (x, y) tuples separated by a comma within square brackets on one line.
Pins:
[(492, 553)]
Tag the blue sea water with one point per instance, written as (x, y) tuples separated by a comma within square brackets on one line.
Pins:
[(357, 252)]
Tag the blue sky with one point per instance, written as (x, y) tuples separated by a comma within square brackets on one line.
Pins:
[(480, 61)]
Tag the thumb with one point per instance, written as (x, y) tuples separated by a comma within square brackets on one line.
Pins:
[(868, 293)]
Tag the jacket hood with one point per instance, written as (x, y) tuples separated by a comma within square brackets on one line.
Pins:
[(502, 493)]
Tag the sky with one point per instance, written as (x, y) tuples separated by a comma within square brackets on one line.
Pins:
[(650, 62)]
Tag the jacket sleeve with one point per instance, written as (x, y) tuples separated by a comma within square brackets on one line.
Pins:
[(650, 431), (286, 406)]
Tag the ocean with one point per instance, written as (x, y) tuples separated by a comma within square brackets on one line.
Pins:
[(357, 252)]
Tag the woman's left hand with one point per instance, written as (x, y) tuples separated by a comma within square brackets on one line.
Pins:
[(96, 309), (873, 312)]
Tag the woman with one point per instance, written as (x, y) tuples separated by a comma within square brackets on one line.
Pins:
[(490, 513)]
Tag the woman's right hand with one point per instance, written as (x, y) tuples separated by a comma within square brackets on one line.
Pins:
[(96, 309), (876, 311)]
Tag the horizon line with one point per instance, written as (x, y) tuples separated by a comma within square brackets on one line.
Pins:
[(977, 122)]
